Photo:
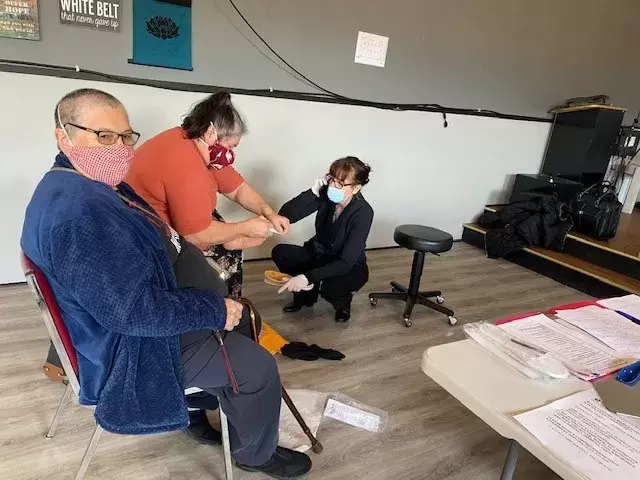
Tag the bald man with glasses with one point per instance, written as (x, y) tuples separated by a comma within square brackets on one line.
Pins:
[(142, 333)]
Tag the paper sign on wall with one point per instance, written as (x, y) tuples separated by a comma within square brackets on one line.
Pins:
[(96, 14), (371, 49), (19, 19)]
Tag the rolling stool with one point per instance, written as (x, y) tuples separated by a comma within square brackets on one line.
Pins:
[(422, 240)]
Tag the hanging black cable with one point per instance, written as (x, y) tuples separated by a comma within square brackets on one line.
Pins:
[(247, 37), (334, 94), (62, 71), (248, 24)]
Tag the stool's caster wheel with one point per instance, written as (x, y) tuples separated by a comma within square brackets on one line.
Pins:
[(394, 290), (440, 299), (407, 322), (373, 301), (453, 320)]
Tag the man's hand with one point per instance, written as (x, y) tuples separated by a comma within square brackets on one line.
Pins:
[(257, 227), (280, 223), (296, 284), (234, 314)]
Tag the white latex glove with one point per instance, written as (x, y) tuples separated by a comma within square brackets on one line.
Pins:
[(318, 184), (296, 284)]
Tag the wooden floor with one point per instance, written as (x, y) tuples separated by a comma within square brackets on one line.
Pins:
[(430, 435)]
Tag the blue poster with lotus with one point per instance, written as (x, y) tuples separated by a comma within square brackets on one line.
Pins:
[(162, 33)]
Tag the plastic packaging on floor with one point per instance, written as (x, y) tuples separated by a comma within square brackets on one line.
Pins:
[(310, 404), (313, 406), (347, 410), (527, 359)]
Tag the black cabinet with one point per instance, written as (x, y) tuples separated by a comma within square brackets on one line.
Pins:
[(526, 187), (581, 142)]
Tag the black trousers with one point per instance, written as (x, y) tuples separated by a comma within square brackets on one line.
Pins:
[(208, 401), (253, 412), (338, 291)]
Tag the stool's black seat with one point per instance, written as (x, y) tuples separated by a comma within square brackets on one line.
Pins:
[(423, 239)]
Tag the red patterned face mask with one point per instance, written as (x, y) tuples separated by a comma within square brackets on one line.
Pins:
[(106, 164), (220, 156)]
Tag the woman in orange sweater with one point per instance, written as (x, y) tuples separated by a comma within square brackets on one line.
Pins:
[(180, 172)]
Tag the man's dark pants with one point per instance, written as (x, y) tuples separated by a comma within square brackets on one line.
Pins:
[(254, 412)]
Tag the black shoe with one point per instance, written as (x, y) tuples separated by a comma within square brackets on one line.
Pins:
[(201, 430), (343, 315), (295, 306), (285, 464)]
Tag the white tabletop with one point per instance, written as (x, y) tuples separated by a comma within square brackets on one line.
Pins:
[(494, 392)]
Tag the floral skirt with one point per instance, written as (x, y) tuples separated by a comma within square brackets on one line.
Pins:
[(230, 260)]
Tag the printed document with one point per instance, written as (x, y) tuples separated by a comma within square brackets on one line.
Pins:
[(599, 444), (611, 328), (581, 354), (629, 304)]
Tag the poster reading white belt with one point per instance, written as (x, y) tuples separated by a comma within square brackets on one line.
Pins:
[(96, 14)]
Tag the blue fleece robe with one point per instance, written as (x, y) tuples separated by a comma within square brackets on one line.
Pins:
[(115, 286)]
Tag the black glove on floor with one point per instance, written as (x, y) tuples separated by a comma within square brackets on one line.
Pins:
[(309, 353)]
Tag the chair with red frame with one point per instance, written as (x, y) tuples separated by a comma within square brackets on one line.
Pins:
[(66, 352)]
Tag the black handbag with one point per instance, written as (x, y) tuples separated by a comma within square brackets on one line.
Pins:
[(596, 211)]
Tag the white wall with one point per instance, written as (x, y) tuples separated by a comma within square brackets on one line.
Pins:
[(422, 173)]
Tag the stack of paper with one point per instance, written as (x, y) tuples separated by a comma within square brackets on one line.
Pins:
[(583, 355), (629, 305), (599, 444), (611, 328)]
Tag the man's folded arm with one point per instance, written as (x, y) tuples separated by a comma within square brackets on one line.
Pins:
[(105, 270)]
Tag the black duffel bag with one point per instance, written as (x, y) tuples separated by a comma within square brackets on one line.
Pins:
[(596, 211)]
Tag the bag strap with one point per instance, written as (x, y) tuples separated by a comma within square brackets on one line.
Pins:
[(155, 218)]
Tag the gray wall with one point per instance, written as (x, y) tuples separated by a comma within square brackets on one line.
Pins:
[(513, 56)]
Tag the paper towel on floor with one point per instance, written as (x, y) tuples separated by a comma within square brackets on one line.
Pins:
[(311, 406)]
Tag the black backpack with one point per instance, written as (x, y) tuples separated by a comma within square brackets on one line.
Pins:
[(596, 211)]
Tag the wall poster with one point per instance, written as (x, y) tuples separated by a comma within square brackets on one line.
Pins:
[(19, 19), (96, 14), (162, 33)]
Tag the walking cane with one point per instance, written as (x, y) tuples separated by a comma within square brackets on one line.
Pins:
[(316, 446)]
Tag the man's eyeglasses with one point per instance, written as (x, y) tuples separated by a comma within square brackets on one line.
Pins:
[(105, 137), (338, 183)]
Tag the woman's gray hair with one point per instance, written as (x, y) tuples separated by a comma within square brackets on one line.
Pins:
[(216, 109)]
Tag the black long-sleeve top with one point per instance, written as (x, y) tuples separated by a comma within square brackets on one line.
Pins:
[(338, 246)]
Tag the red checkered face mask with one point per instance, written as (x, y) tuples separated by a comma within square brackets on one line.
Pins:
[(106, 164)]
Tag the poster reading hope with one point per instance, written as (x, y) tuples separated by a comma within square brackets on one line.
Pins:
[(97, 14)]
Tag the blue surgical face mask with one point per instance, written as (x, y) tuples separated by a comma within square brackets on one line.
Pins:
[(336, 195)]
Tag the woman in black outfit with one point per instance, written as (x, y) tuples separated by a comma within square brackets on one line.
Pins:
[(332, 263)]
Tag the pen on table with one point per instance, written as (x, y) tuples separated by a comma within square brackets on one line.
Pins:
[(529, 346), (574, 368)]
